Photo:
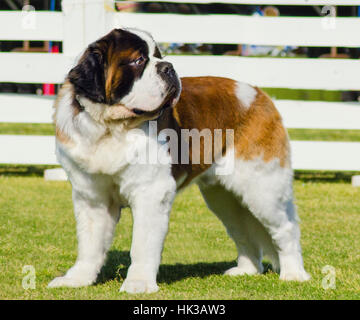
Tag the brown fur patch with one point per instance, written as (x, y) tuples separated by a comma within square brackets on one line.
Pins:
[(211, 102), (113, 72), (262, 132)]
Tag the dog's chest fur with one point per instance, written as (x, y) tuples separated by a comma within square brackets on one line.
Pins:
[(113, 152), (95, 146), (114, 160)]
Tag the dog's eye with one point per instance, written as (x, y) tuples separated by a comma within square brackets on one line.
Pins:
[(138, 61)]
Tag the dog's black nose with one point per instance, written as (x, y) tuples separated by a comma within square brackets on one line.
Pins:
[(165, 68)]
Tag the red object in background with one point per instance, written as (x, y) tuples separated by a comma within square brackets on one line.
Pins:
[(49, 88)]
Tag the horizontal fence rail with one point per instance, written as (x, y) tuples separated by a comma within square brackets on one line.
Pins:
[(14, 25), (22, 108), (319, 114), (219, 28), (327, 74), (339, 156), (16, 108), (30, 150), (321, 155), (34, 67)]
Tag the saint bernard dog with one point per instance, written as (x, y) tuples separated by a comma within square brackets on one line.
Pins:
[(122, 86)]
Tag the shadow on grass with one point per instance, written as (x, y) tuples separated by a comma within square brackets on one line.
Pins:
[(118, 262)]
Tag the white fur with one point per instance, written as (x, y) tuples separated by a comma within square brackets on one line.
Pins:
[(255, 203), (245, 93), (149, 91), (103, 180)]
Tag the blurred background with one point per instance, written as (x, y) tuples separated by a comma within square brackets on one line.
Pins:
[(229, 8)]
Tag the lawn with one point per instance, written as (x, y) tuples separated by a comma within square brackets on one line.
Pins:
[(37, 228)]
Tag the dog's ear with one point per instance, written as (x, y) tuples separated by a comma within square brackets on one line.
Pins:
[(88, 77)]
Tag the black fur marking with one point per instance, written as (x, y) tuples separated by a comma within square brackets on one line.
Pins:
[(127, 41), (138, 111), (88, 77), (76, 104), (157, 53)]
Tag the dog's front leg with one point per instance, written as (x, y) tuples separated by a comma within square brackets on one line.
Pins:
[(151, 209), (96, 220)]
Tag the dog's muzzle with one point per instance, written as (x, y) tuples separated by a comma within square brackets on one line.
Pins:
[(167, 73)]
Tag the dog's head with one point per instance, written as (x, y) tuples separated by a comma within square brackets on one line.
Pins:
[(125, 68)]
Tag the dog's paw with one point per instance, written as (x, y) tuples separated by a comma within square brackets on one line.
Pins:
[(240, 271), (300, 275), (79, 275), (66, 281), (138, 286)]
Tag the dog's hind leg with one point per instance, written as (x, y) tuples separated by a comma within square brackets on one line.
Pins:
[(242, 227), (266, 189)]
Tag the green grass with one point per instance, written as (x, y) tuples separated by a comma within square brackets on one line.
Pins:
[(295, 134), (303, 94), (45, 129), (324, 135), (37, 228)]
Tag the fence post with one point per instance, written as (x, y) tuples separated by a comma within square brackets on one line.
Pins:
[(84, 22), (95, 20), (74, 40)]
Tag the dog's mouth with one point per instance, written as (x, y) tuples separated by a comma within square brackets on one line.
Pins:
[(168, 102)]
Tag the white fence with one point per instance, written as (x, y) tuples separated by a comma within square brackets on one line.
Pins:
[(82, 22)]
